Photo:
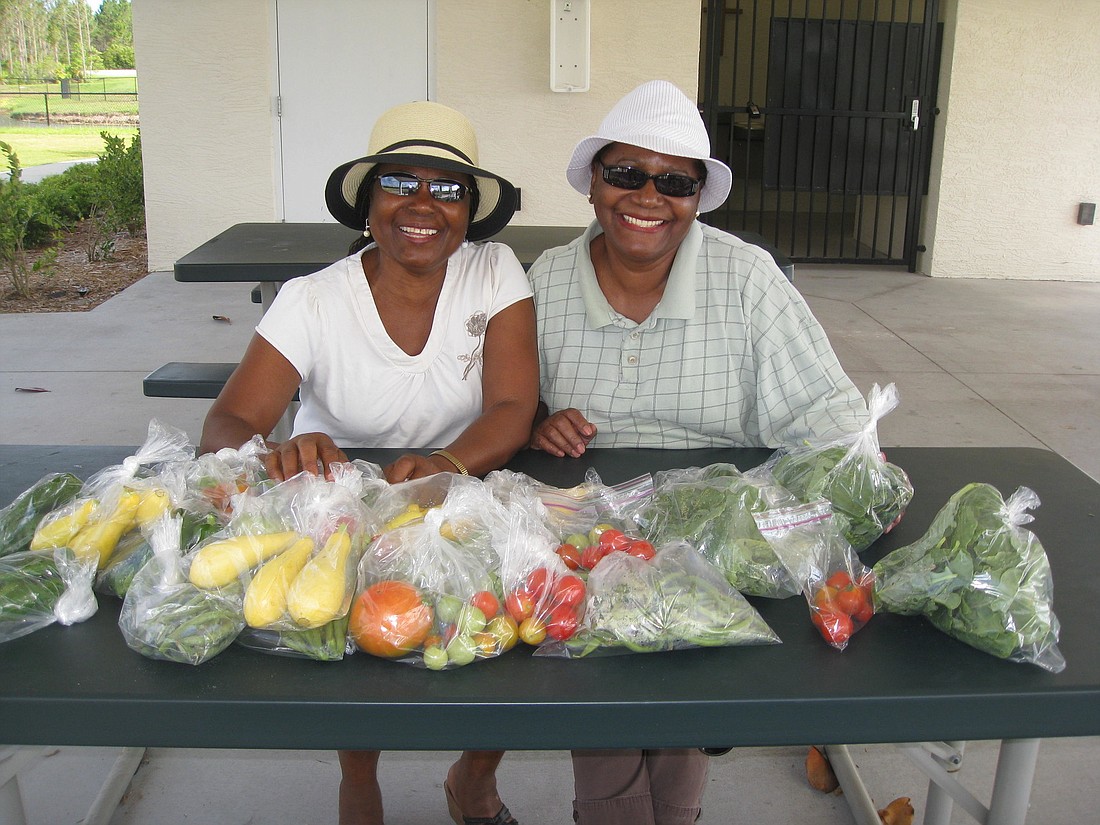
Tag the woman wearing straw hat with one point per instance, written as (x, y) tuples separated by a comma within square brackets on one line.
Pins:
[(658, 331), (421, 340)]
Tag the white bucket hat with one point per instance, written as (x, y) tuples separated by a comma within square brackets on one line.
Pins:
[(659, 117), (428, 134)]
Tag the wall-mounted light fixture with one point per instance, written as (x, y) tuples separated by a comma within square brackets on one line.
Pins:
[(569, 45)]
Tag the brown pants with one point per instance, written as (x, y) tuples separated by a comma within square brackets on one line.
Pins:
[(639, 787)]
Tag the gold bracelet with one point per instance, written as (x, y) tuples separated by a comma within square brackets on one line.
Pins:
[(458, 464)]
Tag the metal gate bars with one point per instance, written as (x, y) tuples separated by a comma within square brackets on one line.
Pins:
[(824, 110)]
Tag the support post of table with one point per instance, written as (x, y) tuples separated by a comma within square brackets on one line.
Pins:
[(1012, 783), (939, 805), (855, 792)]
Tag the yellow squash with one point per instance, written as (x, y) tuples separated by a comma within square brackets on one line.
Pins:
[(265, 599), (154, 502), (318, 593), (99, 537), (221, 562), (60, 531)]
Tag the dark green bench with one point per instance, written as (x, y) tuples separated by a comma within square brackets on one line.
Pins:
[(189, 379)]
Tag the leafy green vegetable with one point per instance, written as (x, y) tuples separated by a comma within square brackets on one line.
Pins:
[(980, 577), (867, 493), (673, 602), (19, 519), (712, 510)]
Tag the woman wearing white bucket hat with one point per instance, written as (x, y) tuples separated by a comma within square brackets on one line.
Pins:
[(658, 331), (420, 341)]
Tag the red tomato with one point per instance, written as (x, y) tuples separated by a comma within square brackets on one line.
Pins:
[(486, 602), (568, 591), (825, 597), (835, 627), (614, 539), (641, 549), (840, 579), (539, 581), (570, 555), (864, 614), (851, 600), (519, 604), (591, 556), (562, 623)]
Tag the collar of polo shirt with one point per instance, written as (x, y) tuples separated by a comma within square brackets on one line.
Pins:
[(678, 300)]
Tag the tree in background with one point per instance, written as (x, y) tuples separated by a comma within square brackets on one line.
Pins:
[(50, 39)]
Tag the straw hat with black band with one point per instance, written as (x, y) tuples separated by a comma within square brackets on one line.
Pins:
[(426, 134)]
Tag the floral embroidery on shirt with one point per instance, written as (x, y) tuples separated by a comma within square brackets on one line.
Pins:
[(475, 328)]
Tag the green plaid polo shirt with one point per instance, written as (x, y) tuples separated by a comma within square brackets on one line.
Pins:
[(730, 357)]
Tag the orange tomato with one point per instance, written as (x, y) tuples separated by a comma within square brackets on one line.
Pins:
[(519, 604), (390, 619), (486, 602)]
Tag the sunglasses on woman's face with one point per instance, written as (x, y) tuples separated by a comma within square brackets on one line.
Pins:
[(406, 183), (669, 183)]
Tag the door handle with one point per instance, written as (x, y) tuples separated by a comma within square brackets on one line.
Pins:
[(914, 114)]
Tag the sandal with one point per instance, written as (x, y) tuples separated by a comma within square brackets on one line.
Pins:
[(503, 817)]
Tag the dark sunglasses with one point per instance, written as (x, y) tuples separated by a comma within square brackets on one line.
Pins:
[(406, 183), (670, 183)]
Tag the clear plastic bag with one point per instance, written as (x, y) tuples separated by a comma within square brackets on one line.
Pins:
[(294, 550), (429, 593), (164, 616), (836, 584), (20, 519), (980, 576), (38, 588), (712, 508), (868, 494), (676, 600), (116, 500)]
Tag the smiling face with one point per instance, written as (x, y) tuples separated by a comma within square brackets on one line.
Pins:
[(417, 231), (642, 225)]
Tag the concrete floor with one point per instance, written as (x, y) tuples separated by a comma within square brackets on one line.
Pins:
[(975, 362)]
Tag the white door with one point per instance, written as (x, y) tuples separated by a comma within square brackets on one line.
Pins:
[(341, 64)]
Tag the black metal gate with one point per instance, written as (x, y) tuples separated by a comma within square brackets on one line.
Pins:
[(824, 110)]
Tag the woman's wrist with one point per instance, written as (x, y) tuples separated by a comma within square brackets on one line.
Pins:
[(450, 458)]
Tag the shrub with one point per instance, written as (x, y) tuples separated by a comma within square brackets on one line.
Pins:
[(18, 212), (121, 183)]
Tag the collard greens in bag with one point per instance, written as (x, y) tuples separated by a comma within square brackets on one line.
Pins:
[(868, 493), (712, 508), (980, 576)]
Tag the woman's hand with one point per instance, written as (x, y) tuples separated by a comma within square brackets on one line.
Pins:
[(411, 466), (566, 432), (310, 452)]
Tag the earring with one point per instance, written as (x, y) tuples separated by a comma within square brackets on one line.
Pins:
[(366, 230)]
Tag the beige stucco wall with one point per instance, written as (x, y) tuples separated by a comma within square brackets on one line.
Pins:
[(493, 64), (206, 72), (1020, 142)]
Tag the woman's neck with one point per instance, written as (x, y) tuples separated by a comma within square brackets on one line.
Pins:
[(632, 288), (405, 300)]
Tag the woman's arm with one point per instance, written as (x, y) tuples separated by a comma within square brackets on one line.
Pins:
[(252, 402), (510, 389)]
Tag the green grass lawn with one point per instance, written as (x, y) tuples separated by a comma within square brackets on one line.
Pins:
[(35, 146)]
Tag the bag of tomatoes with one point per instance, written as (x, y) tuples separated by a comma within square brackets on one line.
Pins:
[(593, 519), (428, 592), (542, 593), (671, 601), (837, 585)]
